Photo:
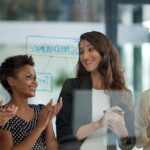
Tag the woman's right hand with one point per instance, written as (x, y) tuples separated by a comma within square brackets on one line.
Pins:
[(7, 113)]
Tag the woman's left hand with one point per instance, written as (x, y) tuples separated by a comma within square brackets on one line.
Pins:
[(116, 124)]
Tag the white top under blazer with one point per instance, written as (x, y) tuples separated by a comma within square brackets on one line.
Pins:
[(97, 140)]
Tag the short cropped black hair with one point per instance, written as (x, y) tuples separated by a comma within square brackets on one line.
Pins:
[(10, 66)]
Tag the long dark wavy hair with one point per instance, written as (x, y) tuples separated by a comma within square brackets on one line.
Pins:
[(109, 66)]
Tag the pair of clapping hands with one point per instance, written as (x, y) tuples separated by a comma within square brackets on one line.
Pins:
[(50, 110), (113, 119), (7, 113)]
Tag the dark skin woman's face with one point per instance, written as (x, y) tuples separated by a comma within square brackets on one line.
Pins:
[(25, 82)]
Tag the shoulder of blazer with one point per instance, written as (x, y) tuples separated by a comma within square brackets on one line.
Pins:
[(77, 83), (122, 97), (72, 83)]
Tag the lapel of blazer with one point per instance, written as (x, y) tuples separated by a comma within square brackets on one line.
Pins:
[(115, 98), (86, 87)]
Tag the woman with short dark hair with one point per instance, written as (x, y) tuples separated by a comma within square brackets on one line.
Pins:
[(31, 126)]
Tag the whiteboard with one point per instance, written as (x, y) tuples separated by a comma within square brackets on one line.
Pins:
[(53, 46)]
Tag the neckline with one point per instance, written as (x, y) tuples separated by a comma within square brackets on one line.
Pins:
[(35, 115)]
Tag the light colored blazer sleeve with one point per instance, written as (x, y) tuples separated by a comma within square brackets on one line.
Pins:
[(141, 121)]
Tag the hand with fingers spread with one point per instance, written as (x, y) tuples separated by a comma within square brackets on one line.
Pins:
[(115, 122), (56, 108), (7, 113)]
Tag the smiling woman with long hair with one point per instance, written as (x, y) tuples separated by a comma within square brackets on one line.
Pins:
[(106, 116)]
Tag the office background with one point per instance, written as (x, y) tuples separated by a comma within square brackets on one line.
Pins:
[(126, 22)]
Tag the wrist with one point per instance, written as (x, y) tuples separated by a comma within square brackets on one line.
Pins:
[(124, 133), (97, 124), (39, 128), (124, 140)]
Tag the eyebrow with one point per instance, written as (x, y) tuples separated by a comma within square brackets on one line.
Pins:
[(31, 74), (87, 46)]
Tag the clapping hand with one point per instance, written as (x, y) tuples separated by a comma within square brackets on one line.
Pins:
[(55, 109), (7, 113), (47, 114)]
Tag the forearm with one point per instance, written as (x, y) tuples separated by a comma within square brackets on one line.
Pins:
[(86, 130), (51, 143)]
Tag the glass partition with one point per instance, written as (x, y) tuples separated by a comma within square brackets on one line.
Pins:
[(49, 30)]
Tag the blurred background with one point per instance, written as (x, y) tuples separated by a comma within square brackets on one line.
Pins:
[(125, 22)]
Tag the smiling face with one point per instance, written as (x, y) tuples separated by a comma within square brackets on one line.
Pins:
[(89, 57), (25, 82)]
